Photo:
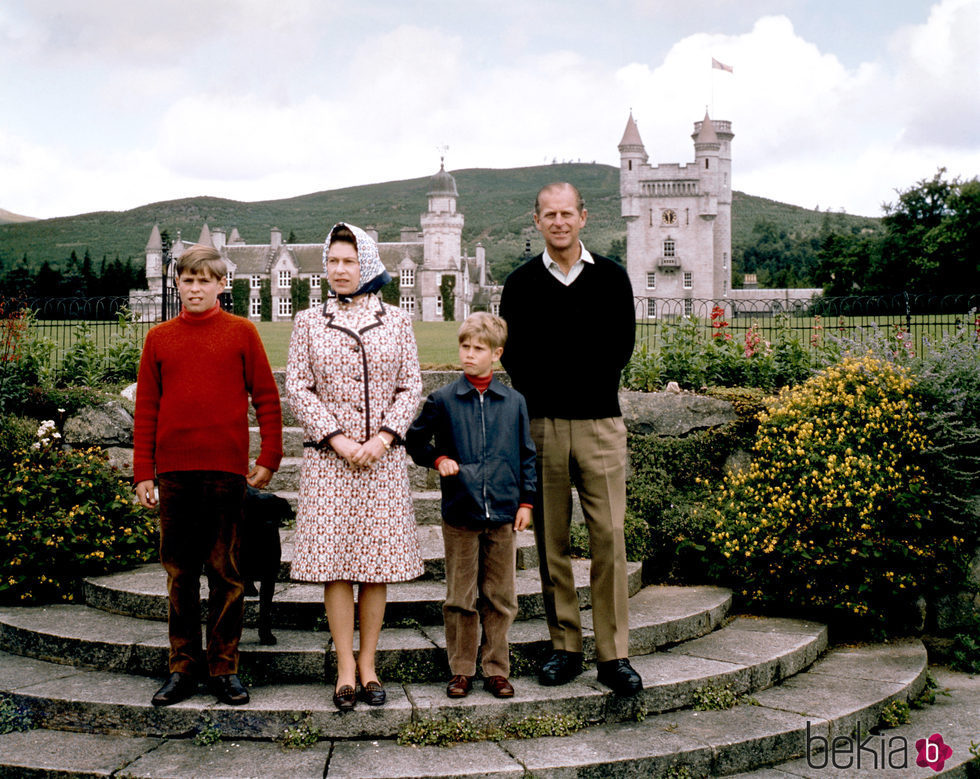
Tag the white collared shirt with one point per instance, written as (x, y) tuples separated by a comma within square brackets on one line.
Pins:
[(555, 269)]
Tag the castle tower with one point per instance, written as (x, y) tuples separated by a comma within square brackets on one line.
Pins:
[(154, 262), (678, 220), (442, 238)]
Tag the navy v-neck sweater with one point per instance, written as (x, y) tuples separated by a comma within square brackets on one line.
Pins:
[(567, 345)]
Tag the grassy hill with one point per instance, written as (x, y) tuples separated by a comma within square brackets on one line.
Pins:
[(497, 205)]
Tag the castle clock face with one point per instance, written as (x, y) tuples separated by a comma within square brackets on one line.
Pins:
[(668, 216)]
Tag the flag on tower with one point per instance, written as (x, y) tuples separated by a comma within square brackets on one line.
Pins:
[(721, 66)]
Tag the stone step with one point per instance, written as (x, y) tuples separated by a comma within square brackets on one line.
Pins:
[(762, 653), (954, 716), (407, 651), (850, 686), (142, 592), (433, 552)]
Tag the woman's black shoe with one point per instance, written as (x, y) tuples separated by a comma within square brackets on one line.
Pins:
[(344, 698), (177, 688), (373, 694)]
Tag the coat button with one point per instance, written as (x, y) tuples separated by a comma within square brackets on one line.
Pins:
[(359, 409)]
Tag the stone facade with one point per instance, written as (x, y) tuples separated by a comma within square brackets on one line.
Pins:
[(679, 228), (419, 262)]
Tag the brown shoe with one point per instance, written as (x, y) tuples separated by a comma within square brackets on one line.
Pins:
[(459, 686), (498, 686)]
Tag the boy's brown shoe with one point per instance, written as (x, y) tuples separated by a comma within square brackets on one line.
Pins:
[(498, 686), (459, 686)]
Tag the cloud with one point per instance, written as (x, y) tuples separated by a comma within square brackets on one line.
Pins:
[(935, 83)]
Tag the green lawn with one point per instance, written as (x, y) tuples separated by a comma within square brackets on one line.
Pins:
[(436, 341)]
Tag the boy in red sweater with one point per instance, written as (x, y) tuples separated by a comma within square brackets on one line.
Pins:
[(191, 433)]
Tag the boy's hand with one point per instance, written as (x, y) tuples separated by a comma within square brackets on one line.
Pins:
[(523, 518), (448, 467), (259, 476), (145, 494)]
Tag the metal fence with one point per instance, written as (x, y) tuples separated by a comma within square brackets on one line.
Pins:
[(810, 319)]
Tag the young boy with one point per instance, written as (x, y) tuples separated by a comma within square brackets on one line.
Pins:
[(191, 434), (475, 432)]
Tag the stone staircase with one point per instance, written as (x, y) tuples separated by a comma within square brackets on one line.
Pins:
[(85, 673)]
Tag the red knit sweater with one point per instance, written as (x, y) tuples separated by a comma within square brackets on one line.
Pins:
[(195, 377)]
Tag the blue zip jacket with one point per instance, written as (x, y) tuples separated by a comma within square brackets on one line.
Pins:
[(489, 436)]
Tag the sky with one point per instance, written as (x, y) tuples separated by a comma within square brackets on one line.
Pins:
[(835, 104)]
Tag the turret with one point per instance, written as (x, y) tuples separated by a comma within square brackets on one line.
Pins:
[(632, 156)]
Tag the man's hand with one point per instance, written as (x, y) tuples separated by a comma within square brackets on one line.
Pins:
[(259, 476), (145, 494), (523, 518), (448, 467)]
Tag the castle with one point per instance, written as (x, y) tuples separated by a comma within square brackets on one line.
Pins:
[(418, 262), (679, 230)]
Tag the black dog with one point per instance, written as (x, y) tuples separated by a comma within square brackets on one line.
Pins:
[(260, 552)]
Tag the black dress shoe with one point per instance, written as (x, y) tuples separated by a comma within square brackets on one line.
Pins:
[(228, 689), (560, 668), (620, 676), (373, 694), (179, 687)]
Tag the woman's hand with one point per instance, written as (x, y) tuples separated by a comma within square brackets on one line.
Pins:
[(370, 451), (344, 446)]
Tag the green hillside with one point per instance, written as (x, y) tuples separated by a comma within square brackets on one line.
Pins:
[(497, 205)]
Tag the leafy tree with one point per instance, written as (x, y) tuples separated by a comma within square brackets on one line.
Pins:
[(930, 243), (447, 288), (239, 297), (299, 291)]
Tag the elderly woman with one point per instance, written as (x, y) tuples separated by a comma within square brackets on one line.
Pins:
[(353, 380)]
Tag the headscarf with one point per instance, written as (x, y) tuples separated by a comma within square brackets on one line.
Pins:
[(373, 275)]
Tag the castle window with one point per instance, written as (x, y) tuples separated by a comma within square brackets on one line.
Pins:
[(495, 308), (229, 278), (439, 306), (315, 302), (706, 164), (669, 247), (407, 304), (315, 281), (285, 279), (254, 281), (651, 308), (407, 278), (688, 307), (688, 280), (651, 281), (284, 307), (255, 307), (630, 165)]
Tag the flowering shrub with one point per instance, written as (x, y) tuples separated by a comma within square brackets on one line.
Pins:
[(694, 361), (65, 514), (834, 512)]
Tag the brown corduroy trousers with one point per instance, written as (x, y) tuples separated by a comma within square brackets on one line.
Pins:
[(200, 512), (480, 589)]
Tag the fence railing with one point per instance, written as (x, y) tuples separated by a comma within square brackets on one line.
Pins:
[(920, 316)]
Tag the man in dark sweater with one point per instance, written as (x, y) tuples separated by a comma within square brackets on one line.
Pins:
[(572, 326)]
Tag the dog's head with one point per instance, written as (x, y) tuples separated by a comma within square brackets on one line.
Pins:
[(267, 508)]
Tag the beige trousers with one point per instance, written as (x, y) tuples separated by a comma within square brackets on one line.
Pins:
[(591, 454)]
